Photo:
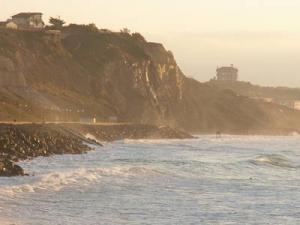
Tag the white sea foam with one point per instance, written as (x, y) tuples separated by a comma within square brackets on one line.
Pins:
[(273, 159), (145, 177), (149, 141), (58, 180), (92, 137)]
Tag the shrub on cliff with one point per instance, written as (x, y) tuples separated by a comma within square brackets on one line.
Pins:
[(56, 23), (138, 37), (83, 27), (125, 31)]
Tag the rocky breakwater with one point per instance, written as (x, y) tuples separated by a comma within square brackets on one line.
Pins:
[(21, 142), (27, 141), (110, 132)]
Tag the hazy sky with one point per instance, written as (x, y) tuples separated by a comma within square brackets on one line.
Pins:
[(260, 37)]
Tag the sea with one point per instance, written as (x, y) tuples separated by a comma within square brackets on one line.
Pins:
[(207, 180)]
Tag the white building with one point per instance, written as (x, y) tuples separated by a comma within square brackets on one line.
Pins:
[(28, 20), (227, 73), (11, 25)]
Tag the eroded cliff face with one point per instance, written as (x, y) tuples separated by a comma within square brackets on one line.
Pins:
[(118, 75), (9, 74), (137, 78), (98, 74)]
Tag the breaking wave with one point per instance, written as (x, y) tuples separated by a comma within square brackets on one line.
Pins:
[(149, 141), (58, 180), (273, 160)]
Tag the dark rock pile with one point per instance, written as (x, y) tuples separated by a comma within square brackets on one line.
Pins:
[(20, 142), (169, 133), (128, 131), (8, 169), (26, 141)]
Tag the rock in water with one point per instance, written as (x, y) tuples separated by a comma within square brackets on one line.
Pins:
[(9, 169)]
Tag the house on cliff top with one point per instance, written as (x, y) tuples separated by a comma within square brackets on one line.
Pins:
[(28, 20), (8, 24), (227, 73)]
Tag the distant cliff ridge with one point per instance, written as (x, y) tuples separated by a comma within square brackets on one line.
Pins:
[(82, 72), (289, 97)]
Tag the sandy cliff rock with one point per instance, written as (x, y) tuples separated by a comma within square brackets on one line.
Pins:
[(118, 75)]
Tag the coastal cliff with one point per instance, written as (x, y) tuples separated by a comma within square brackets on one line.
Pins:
[(87, 73)]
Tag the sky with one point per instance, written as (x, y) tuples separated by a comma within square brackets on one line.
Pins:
[(260, 37)]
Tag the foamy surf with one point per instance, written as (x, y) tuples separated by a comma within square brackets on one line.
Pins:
[(134, 182), (273, 160), (149, 141), (58, 180), (92, 137)]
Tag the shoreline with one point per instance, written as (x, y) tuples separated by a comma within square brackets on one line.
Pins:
[(25, 141), (20, 142), (270, 134)]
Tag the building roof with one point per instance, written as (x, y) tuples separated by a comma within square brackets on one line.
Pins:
[(26, 14), (227, 69)]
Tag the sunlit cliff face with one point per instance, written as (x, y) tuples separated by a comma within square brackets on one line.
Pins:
[(260, 37)]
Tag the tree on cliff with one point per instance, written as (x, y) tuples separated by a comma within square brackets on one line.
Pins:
[(56, 22), (92, 27), (138, 37), (125, 31)]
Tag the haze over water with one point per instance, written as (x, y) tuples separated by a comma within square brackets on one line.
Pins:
[(231, 180)]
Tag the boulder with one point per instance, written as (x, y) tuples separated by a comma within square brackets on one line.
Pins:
[(9, 169)]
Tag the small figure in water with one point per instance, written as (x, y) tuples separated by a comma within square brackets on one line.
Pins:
[(218, 134)]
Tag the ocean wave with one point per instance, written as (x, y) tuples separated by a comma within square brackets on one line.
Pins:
[(58, 180), (92, 137), (273, 160), (149, 141)]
